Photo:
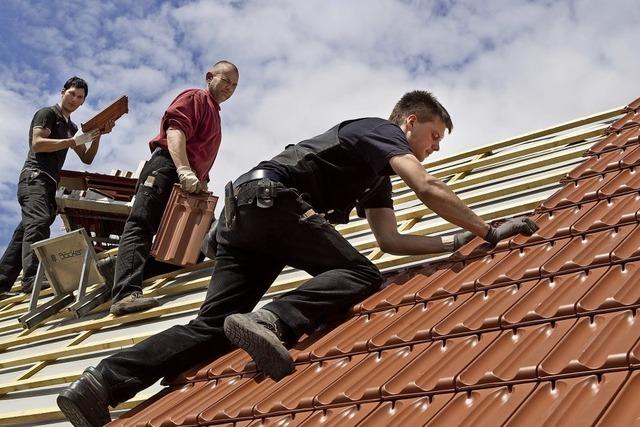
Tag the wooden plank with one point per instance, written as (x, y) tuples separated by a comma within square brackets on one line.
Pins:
[(503, 157), (51, 414), (530, 135), (75, 350)]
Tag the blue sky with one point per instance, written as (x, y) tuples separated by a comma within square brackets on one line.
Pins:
[(501, 68)]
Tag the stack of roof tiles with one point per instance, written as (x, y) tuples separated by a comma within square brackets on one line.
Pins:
[(539, 330)]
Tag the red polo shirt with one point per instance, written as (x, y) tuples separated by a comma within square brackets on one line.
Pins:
[(196, 114)]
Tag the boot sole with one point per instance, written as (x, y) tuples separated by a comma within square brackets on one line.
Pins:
[(73, 413), (119, 311), (268, 353)]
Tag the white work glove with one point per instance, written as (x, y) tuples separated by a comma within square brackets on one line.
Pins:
[(189, 182), (81, 138)]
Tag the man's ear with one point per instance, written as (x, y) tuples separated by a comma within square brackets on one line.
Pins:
[(208, 76), (410, 120)]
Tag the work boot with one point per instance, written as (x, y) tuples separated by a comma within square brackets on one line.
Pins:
[(107, 267), (85, 401), (261, 334), (8, 294), (133, 303)]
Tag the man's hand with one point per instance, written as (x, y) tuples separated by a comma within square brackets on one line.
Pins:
[(203, 187), (108, 127), (81, 138), (189, 182), (521, 225)]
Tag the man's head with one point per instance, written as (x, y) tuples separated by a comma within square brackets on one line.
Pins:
[(73, 94), (222, 80), (423, 120)]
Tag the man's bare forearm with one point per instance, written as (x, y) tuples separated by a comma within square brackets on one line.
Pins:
[(177, 144)]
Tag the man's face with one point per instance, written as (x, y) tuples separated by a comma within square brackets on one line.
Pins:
[(424, 138), (72, 98), (222, 82)]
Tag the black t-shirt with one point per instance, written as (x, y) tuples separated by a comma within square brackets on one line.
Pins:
[(350, 169), (52, 119)]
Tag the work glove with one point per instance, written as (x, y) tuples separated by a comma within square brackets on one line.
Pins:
[(509, 228), (189, 182), (521, 225), (81, 138), (462, 238)]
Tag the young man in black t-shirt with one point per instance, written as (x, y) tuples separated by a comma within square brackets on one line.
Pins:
[(280, 215), (51, 134)]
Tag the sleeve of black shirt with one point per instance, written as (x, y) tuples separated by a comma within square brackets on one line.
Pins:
[(44, 118), (377, 197), (382, 143)]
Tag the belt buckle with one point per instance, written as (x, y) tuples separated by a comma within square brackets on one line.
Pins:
[(265, 193)]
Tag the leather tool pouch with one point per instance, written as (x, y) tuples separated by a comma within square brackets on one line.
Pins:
[(230, 205)]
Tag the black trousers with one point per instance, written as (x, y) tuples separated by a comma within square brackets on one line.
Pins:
[(37, 198), (251, 254), (133, 263)]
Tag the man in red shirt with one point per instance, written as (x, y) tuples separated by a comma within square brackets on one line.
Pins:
[(183, 152)]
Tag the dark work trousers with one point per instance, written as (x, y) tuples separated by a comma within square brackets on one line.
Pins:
[(37, 198), (250, 256), (152, 194)]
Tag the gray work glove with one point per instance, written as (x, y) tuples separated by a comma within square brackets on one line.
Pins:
[(520, 225), (189, 182), (209, 243), (81, 138), (509, 228), (462, 238)]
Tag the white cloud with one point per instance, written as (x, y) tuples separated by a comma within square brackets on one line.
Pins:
[(501, 68)]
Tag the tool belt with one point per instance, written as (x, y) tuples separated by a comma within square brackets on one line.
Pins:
[(258, 185)]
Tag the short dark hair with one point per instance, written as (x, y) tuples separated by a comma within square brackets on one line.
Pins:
[(424, 105), (77, 82)]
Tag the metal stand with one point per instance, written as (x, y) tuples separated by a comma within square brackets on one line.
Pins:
[(69, 263)]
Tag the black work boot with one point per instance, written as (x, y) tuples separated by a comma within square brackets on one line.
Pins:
[(85, 402), (261, 334), (107, 268), (133, 303)]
